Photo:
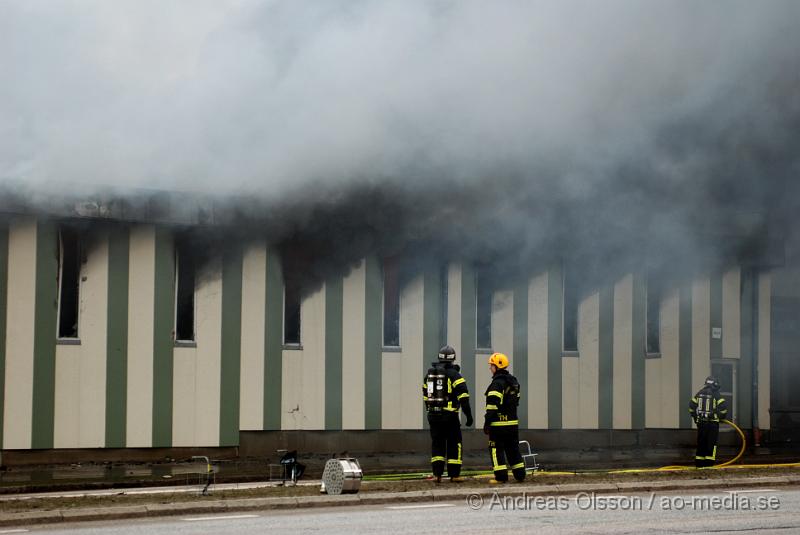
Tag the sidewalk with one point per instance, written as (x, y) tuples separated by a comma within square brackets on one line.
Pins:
[(149, 503)]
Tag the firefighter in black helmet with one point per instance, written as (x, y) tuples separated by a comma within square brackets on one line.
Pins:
[(444, 392), (501, 422), (706, 408)]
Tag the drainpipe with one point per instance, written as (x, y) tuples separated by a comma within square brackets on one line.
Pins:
[(754, 353)]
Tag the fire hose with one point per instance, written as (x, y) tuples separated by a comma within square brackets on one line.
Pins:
[(726, 465)]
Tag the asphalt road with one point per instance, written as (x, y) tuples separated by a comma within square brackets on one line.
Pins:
[(758, 510)]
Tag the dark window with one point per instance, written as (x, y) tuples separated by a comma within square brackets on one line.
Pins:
[(69, 282), (570, 312), (391, 304), (653, 316), (291, 311), (184, 295), (483, 315)]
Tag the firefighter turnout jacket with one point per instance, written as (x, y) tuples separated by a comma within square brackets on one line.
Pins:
[(502, 400), (708, 406)]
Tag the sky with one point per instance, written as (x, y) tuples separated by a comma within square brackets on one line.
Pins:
[(483, 129)]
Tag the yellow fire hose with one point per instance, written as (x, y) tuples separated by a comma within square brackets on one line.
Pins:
[(726, 465)]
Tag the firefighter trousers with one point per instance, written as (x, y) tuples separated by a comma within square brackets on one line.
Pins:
[(505, 454), (445, 443), (707, 436)]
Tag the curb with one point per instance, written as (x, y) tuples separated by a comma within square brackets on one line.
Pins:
[(373, 498)]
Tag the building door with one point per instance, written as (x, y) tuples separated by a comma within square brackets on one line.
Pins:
[(725, 372)]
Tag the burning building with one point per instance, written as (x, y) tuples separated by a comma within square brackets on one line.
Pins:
[(126, 325)]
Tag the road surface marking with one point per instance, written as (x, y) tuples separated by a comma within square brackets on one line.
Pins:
[(754, 490), (421, 506), (14, 531), (228, 517)]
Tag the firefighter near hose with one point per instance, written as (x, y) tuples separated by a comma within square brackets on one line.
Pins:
[(501, 422), (444, 392), (706, 408)]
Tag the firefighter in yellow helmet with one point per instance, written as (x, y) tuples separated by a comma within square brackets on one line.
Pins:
[(501, 422)]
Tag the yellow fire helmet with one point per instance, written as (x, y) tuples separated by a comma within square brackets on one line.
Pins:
[(499, 360)]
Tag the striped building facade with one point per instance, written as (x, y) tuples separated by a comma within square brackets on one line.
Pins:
[(125, 382)]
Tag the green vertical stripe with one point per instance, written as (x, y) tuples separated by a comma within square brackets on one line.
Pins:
[(3, 318), (606, 359), (716, 314), (334, 336), (117, 337), (468, 312), (555, 303), (520, 345), (431, 323), (685, 355), (638, 353), (231, 348), (273, 341), (373, 364), (756, 380), (163, 324), (748, 292), (44, 343)]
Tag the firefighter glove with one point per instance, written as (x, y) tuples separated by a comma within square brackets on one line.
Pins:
[(469, 421)]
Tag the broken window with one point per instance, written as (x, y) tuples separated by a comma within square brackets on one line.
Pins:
[(653, 311), (69, 282), (184, 294), (483, 314), (570, 319), (291, 311)]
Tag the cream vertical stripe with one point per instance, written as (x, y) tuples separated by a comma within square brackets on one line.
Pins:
[(454, 311), (670, 403), (570, 394), (623, 334), (391, 389), (411, 339), (653, 393), (503, 324), (502, 338), (589, 374), (208, 320), (303, 380), (701, 332), (313, 370), (401, 406), (731, 313), (254, 266), (483, 378), (764, 348), (139, 429), (537, 352), (184, 390), (353, 323), (196, 377), (18, 408), (81, 369)]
